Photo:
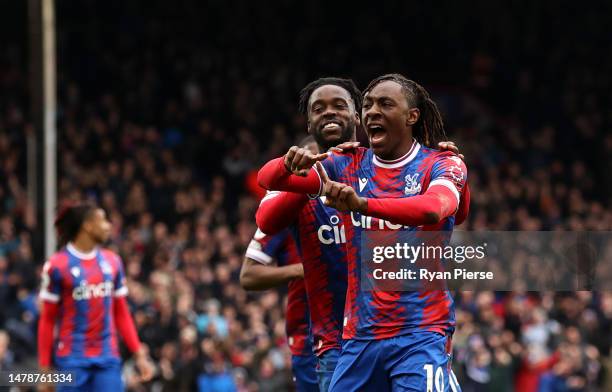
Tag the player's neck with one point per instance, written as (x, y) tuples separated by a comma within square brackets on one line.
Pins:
[(400, 152), (84, 244)]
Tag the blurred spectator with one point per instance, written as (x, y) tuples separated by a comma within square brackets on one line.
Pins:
[(7, 358)]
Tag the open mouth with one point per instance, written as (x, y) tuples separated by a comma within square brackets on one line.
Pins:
[(377, 133)]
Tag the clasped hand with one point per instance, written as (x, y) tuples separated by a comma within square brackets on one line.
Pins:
[(340, 196)]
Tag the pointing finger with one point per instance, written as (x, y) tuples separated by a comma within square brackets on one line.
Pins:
[(319, 168), (321, 157), (344, 146)]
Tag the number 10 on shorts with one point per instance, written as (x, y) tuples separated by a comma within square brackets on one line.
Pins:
[(429, 369)]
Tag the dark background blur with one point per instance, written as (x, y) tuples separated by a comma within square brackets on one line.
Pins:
[(167, 109)]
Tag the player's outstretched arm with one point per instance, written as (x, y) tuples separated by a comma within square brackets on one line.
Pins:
[(437, 203), (278, 210), (256, 276), (273, 176), (292, 172)]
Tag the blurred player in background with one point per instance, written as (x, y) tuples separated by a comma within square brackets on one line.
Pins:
[(394, 340), (83, 293), (332, 107)]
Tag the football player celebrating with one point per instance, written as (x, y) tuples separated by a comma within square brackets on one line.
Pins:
[(395, 340)]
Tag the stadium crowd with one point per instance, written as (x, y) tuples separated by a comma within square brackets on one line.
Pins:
[(164, 120)]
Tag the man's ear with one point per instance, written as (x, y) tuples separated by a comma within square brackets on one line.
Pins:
[(413, 116), (308, 124), (86, 226), (357, 119)]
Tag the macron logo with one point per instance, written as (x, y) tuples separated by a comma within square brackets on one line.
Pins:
[(362, 183)]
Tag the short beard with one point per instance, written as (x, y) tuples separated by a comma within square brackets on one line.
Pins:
[(345, 136)]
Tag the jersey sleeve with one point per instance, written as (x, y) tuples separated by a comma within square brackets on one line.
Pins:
[(279, 210), (263, 248), (51, 283), (449, 171), (121, 289)]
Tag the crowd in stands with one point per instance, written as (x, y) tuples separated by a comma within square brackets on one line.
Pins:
[(167, 111)]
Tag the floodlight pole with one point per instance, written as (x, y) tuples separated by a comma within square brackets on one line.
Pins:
[(42, 163)]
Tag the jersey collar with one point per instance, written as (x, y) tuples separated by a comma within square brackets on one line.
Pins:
[(399, 162), (81, 255)]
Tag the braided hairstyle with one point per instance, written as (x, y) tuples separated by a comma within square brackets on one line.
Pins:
[(346, 84), (69, 220), (429, 128)]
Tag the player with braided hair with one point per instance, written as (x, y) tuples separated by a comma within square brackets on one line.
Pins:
[(429, 128)]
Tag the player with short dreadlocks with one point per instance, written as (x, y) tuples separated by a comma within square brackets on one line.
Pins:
[(342, 128), (393, 340)]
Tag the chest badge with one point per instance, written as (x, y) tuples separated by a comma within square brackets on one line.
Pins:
[(412, 184), (75, 271)]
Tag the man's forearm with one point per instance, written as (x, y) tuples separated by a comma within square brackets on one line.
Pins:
[(255, 276), (428, 209), (46, 325), (274, 176)]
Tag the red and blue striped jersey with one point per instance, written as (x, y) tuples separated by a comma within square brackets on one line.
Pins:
[(377, 314), (84, 285), (321, 239), (282, 248)]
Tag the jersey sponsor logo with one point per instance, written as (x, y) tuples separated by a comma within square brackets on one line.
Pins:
[(87, 291), (412, 184), (362, 184), (332, 234), (367, 222)]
